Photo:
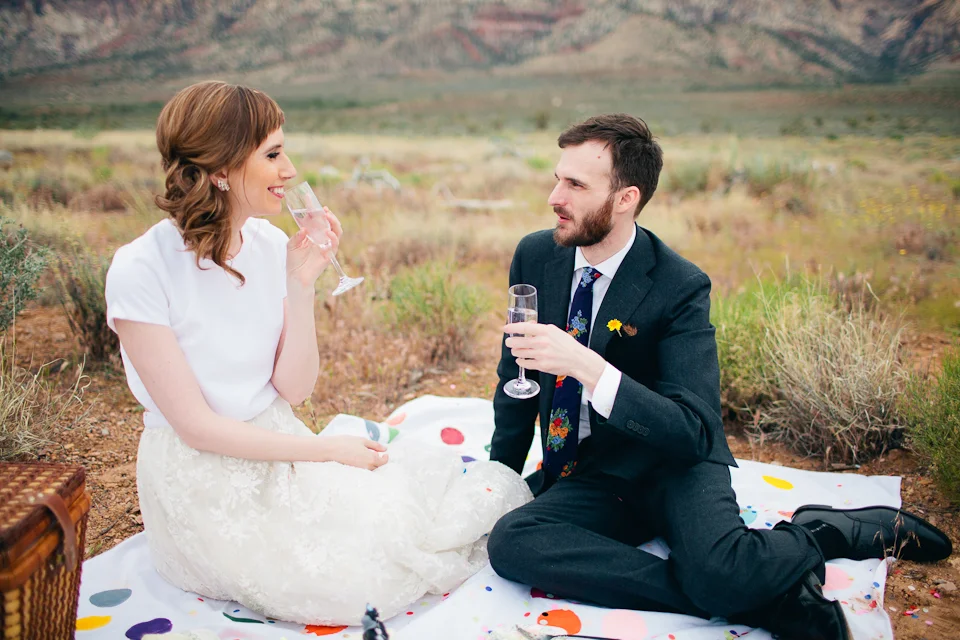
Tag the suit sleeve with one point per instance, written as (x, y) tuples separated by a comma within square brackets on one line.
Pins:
[(680, 414), (513, 419)]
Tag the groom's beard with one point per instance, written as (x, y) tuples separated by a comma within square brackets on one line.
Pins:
[(590, 230)]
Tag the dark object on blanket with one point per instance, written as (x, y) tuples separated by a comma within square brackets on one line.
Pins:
[(43, 525), (373, 628)]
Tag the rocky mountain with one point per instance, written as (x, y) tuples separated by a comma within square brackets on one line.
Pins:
[(96, 43)]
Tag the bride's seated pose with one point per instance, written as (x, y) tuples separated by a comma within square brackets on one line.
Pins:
[(214, 308)]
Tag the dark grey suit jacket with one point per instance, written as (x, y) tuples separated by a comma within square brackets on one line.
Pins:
[(667, 408)]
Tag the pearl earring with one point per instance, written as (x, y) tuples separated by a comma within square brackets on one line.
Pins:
[(222, 185)]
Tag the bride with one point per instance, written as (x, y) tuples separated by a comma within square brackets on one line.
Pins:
[(214, 308)]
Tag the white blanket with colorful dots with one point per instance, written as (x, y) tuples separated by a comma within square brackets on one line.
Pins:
[(121, 596)]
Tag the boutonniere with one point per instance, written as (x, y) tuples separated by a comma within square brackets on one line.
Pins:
[(615, 325)]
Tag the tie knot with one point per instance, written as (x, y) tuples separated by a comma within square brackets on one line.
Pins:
[(589, 277)]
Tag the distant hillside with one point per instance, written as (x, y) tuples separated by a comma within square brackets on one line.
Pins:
[(84, 44)]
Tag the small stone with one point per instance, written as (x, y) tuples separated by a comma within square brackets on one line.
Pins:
[(912, 588), (948, 586), (104, 431)]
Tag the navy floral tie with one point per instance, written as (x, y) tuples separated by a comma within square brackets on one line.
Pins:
[(562, 432)]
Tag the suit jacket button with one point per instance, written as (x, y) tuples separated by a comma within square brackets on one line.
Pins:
[(633, 426), (644, 430)]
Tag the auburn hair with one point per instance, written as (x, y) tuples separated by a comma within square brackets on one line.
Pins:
[(203, 129)]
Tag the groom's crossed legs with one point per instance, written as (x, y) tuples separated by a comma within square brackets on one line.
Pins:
[(578, 540)]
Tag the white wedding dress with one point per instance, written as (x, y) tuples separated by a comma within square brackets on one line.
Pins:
[(315, 542)]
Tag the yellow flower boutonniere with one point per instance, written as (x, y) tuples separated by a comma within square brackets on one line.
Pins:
[(615, 325)]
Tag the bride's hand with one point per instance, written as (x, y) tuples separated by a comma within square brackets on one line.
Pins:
[(353, 451), (305, 260)]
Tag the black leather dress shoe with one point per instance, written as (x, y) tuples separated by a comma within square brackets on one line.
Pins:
[(802, 613), (876, 532)]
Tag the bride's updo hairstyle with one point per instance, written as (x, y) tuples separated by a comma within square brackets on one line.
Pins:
[(205, 128)]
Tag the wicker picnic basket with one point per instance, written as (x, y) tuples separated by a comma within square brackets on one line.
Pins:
[(43, 524)]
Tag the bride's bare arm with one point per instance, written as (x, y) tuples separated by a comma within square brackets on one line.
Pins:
[(167, 376)]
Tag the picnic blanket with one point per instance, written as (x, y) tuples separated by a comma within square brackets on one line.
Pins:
[(121, 595)]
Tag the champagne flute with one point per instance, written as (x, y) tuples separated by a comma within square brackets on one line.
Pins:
[(308, 213), (521, 307)]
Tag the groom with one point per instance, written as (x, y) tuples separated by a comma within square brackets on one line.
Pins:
[(632, 437)]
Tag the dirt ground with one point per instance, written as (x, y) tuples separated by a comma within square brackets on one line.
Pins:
[(922, 600)]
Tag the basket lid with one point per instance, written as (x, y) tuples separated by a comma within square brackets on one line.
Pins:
[(23, 486)]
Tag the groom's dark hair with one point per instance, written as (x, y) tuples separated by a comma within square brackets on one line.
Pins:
[(637, 158)]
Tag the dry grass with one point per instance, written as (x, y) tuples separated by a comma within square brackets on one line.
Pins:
[(837, 374), (32, 411), (735, 206)]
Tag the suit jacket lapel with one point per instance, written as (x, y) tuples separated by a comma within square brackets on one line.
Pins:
[(554, 300), (627, 290)]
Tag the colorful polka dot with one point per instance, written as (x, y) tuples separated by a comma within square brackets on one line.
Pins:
[(540, 593), (486, 447), (394, 420), (836, 578), (393, 434), (624, 625), (468, 459), (110, 598), (319, 630), (373, 429), (157, 625), (488, 588), (561, 619), (451, 435), (779, 483), (748, 516), (89, 623)]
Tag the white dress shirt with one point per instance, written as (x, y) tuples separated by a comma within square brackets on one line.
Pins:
[(605, 393)]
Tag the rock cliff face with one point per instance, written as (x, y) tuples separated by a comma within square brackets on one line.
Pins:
[(109, 41)]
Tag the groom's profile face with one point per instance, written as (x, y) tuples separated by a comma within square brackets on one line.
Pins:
[(582, 199)]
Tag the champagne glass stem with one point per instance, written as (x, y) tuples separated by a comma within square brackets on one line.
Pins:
[(336, 265), (522, 379)]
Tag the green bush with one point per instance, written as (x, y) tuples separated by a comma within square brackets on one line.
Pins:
[(764, 174), (80, 285), (687, 178), (932, 411), (738, 319), (428, 302), (21, 265), (811, 369), (539, 163)]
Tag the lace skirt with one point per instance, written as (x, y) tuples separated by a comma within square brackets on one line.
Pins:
[(315, 542)]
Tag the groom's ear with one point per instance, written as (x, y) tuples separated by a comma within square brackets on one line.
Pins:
[(629, 198)]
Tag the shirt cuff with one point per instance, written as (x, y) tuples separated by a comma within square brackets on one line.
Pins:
[(605, 392)]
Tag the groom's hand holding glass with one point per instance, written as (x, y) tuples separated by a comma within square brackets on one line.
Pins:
[(550, 349)]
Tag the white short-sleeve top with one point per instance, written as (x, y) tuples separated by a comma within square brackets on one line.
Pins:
[(228, 333)]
